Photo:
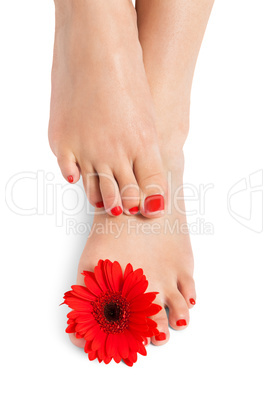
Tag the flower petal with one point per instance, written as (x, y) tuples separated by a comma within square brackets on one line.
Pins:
[(92, 355), (82, 292), (111, 345), (117, 276), (99, 340), (131, 280), (78, 304), (91, 283), (117, 358), (70, 329), (100, 276), (92, 332), (142, 349), (123, 347), (142, 302), (152, 310), (128, 270), (108, 274), (137, 290)]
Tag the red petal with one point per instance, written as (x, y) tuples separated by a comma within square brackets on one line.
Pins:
[(123, 348), (128, 362), (92, 355), (140, 303), (131, 280), (132, 342), (152, 310), (117, 276), (152, 324), (117, 358), (100, 276), (109, 274), (84, 327), (99, 341), (142, 349), (101, 354), (84, 318), (137, 290), (82, 292), (128, 271), (91, 284), (70, 329), (87, 347), (107, 359), (78, 304), (137, 327), (111, 345), (92, 332), (137, 318)]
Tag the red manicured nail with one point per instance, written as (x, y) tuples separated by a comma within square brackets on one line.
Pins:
[(181, 323), (116, 211), (161, 336), (134, 210), (192, 301), (146, 342), (99, 204), (154, 203), (70, 179)]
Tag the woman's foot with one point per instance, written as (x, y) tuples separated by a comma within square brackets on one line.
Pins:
[(160, 246), (102, 116)]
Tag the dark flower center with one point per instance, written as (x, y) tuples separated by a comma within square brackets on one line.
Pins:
[(112, 312)]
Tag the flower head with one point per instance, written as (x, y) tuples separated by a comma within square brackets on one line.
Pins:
[(111, 312)]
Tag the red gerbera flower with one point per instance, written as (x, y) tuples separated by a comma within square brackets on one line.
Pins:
[(112, 312)]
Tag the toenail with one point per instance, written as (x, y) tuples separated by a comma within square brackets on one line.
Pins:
[(99, 204), (181, 323), (192, 301), (116, 211), (161, 336), (70, 179), (154, 203), (145, 342), (134, 210)]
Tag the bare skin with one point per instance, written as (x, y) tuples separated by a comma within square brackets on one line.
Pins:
[(171, 34), (102, 121)]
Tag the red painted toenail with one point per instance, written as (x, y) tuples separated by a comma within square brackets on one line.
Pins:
[(181, 323), (116, 211), (154, 203), (99, 204), (161, 336), (145, 342), (134, 210), (192, 301), (70, 179)]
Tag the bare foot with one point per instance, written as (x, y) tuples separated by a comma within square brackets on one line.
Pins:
[(102, 121), (160, 246)]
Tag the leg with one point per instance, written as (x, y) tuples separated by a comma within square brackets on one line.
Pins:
[(102, 116), (161, 247)]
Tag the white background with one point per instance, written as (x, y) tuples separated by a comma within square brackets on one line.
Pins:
[(223, 354)]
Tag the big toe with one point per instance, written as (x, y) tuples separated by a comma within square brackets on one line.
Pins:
[(152, 182)]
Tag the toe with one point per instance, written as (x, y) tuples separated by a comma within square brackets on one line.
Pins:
[(129, 190), (151, 180), (79, 342), (110, 192), (178, 311), (92, 186), (68, 167), (186, 286), (162, 326)]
